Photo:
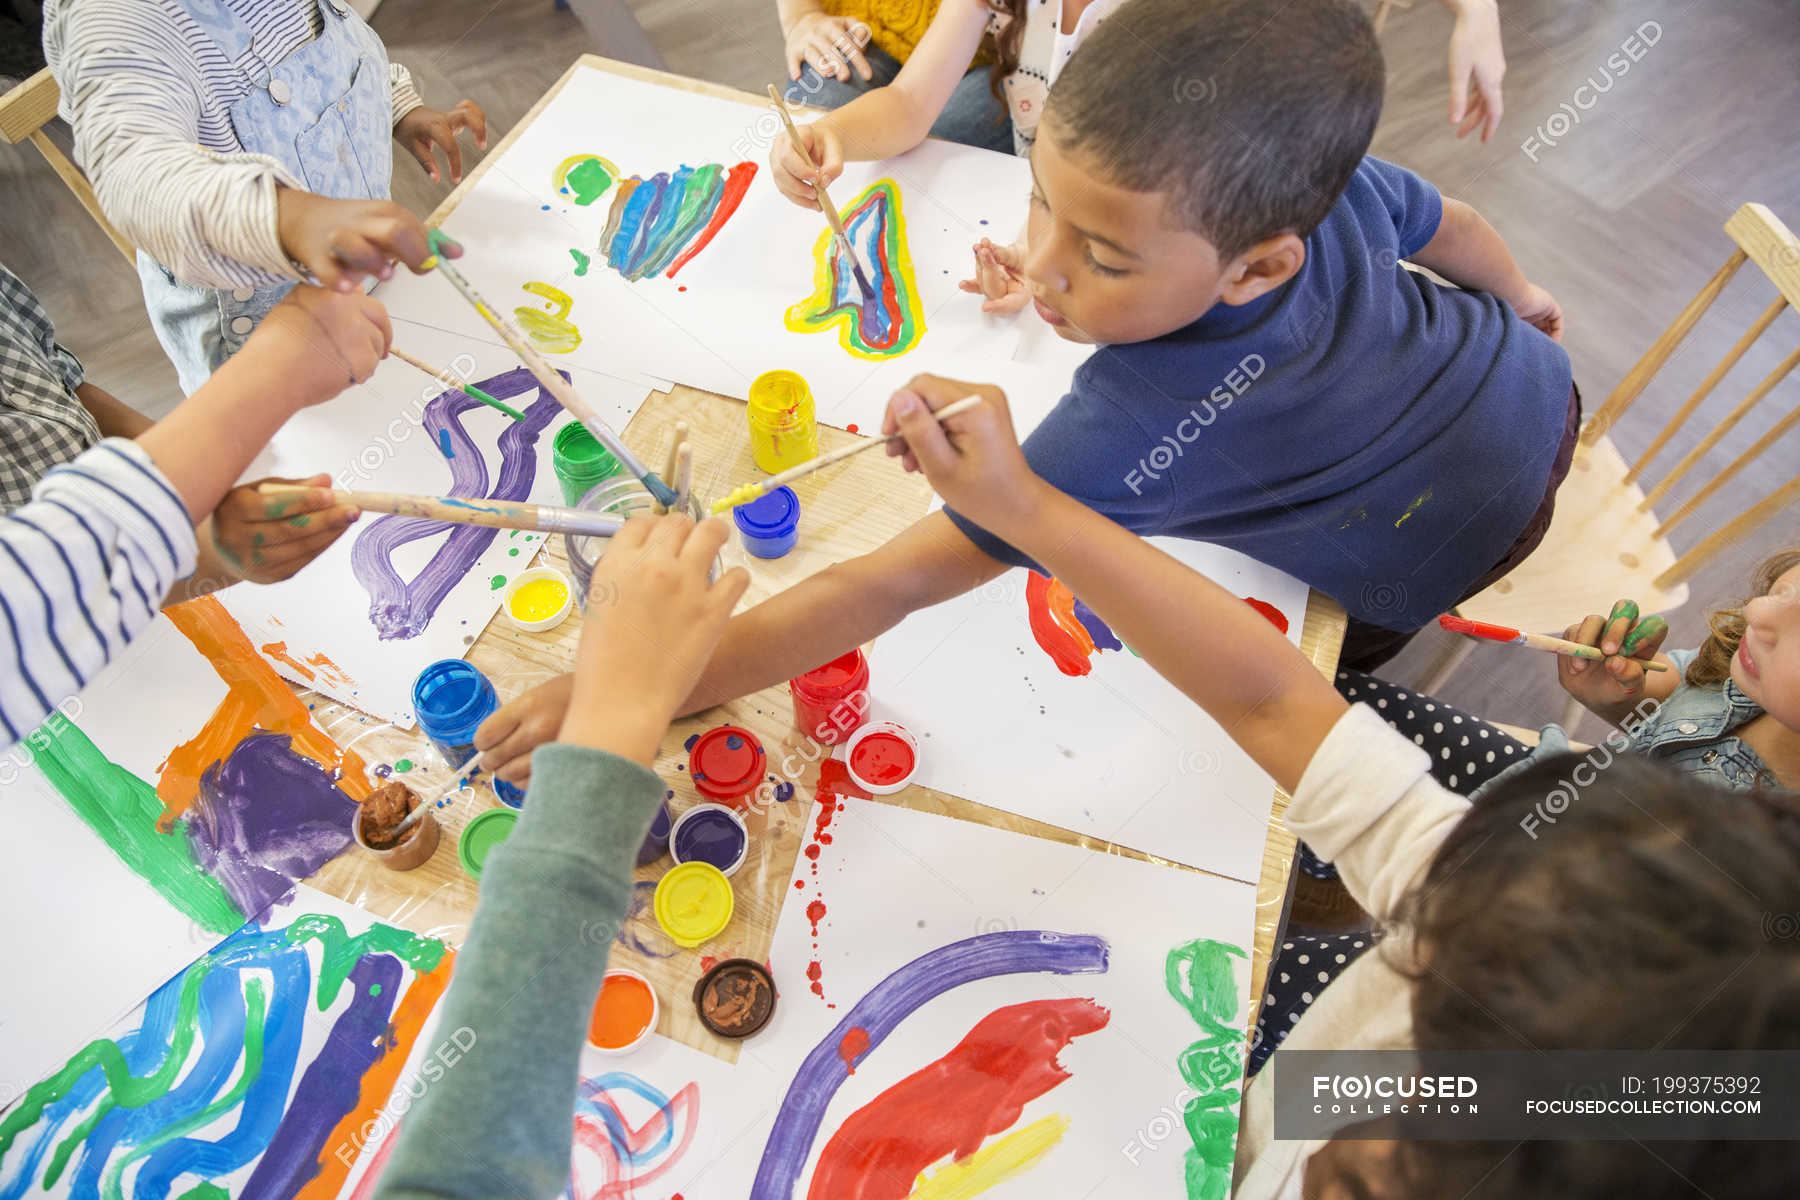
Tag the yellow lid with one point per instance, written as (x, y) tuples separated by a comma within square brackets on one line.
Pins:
[(693, 903)]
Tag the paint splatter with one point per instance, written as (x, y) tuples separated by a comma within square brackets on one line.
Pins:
[(1415, 506), (584, 177), (886, 324), (1273, 615), (1200, 978), (880, 1012), (834, 786), (549, 329), (404, 765), (852, 1046), (662, 222), (581, 261), (403, 608)]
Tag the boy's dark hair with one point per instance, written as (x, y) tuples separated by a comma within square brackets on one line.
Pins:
[(1251, 116), (1656, 912)]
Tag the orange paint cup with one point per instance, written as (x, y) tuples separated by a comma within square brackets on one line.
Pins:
[(625, 1013)]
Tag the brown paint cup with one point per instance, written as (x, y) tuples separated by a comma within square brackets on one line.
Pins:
[(420, 844)]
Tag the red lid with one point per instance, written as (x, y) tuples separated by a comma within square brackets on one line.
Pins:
[(726, 762)]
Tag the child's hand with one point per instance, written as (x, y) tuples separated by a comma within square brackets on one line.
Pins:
[(999, 277), (424, 128), (793, 175), (343, 241), (313, 345), (653, 620), (1539, 309), (520, 726), (833, 45), (1601, 684), (1475, 55), (973, 459), (265, 539)]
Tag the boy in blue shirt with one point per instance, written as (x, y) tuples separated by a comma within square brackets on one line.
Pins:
[(1270, 377)]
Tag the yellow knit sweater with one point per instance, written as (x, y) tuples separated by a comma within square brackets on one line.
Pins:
[(897, 25)]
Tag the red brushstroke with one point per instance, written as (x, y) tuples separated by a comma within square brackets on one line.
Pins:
[(949, 1107), (1275, 616), (595, 1154), (737, 182), (1050, 607), (853, 1045)]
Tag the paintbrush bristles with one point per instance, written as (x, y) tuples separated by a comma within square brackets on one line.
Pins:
[(825, 205)]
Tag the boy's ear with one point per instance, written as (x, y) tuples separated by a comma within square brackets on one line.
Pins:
[(1262, 268)]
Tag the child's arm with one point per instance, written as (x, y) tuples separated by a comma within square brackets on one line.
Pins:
[(888, 120), (554, 896), (831, 613), (1475, 58), (1614, 690), (86, 563), (1469, 253), (114, 417)]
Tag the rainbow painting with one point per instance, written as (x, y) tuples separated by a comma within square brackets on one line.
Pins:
[(256, 1072), (884, 325), (659, 224)]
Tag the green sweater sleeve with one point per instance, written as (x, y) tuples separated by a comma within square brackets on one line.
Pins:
[(499, 1122)]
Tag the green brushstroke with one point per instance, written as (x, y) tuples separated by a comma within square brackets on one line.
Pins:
[(1200, 978), (123, 810), (588, 181), (205, 1191), (342, 952), (581, 261)]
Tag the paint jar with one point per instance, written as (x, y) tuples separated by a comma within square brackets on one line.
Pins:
[(736, 998), (539, 599), (711, 833), (580, 461), (727, 763), (481, 836), (421, 840), (783, 433), (625, 1012), (620, 497), (656, 842), (832, 702), (769, 524), (882, 758), (693, 903), (452, 699)]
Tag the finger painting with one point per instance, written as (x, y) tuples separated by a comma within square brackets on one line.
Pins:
[(883, 325), (248, 1074), (584, 178), (548, 327), (659, 224)]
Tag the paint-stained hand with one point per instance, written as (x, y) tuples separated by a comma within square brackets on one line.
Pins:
[(424, 131), (1620, 679), (266, 539), (653, 619), (999, 277), (793, 175), (312, 346), (972, 459), (343, 242), (832, 45)]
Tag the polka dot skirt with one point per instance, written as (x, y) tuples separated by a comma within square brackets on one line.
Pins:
[(1299, 974)]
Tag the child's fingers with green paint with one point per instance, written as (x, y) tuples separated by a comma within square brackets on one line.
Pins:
[(269, 538)]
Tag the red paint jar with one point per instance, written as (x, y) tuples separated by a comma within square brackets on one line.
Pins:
[(831, 702), (727, 764)]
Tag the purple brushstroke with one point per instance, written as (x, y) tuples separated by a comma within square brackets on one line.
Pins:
[(880, 1012), (266, 816), (403, 608), (1099, 630), (332, 1084)]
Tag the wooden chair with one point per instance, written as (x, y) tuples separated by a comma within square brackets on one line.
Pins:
[(24, 112), (1383, 9), (1606, 541)]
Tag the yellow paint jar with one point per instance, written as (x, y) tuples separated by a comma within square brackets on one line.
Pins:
[(783, 432)]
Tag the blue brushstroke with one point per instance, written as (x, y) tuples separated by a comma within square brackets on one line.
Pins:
[(616, 1132), (866, 229), (444, 446), (639, 205)]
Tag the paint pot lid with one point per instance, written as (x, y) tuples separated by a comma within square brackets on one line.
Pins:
[(885, 734), (481, 835), (727, 761), (627, 979), (693, 903), (772, 515), (708, 813), (736, 998), (536, 575)]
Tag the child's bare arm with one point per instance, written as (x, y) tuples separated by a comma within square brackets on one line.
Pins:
[(1469, 253)]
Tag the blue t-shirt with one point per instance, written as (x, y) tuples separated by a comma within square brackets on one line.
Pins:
[(1378, 435)]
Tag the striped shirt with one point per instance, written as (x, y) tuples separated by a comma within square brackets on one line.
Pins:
[(83, 570), (149, 94)]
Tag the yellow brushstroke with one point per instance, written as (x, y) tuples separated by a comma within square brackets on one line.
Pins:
[(1415, 506), (552, 331), (993, 1164)]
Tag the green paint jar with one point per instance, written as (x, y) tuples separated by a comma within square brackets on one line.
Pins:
[(580, 461)]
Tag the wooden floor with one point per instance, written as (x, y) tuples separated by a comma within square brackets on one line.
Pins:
[(1620, 218)]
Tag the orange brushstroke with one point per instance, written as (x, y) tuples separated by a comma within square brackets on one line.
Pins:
[(279, 652), (378, 1081), (331, 670), (1050, 608), (257, 698)]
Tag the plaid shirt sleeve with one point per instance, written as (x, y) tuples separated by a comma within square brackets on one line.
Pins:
[(42, 421)]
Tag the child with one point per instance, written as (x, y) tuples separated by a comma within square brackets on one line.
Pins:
[(1639, 922), (242, 145), (1270, 377), (87, 561), (49, 413), (551, 898)]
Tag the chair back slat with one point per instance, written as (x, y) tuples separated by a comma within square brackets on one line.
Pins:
[(1729, 473), (1724, 427), (24, 111), (1730, 535)]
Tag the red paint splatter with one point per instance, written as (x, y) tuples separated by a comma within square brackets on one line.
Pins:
[(949, 1107), (852, 1046), (707, 962), (850, 429), (815, 912), (682, 287), (737, 182), (812, 851), (800, 884), (813, 972), (1276, 617)]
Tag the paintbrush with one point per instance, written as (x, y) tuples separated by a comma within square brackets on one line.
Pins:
[(1537, 641), (825, 204), (751, 491), (498, 514), (443, 376), (437, 799), (547, 375)]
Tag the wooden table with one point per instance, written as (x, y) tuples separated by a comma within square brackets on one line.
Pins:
[(847, 510)]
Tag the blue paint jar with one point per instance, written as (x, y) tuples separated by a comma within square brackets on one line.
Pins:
[(656, 842), (452, 699), (770, 524)]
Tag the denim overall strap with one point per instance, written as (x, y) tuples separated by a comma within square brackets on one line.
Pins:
[(325, 112)]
